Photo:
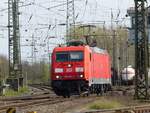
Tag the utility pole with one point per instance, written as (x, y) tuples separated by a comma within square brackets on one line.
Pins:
[(126, 60), (114, 69), (15, 78), (115, 74), (141, 51), (70, 20), (33, 50)]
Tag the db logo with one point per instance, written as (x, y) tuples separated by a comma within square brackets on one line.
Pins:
[(69, 70)]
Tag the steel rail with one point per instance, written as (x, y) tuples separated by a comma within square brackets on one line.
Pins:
[(132, 109)]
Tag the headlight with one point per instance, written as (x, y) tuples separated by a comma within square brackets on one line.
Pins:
[(57, 77), (58, 70), (69, 65), (79, 69), (81, 76)]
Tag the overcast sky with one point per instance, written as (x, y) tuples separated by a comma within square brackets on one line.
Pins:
[(35, 19)]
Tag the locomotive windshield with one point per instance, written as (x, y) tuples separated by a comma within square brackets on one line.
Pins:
[(62, 56), (76, 56), (69, 56)]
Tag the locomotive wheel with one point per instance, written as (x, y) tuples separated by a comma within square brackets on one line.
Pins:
[(105, 88), (98, 90), (101, 90), (88, 93), (66, 94), (79, 90)]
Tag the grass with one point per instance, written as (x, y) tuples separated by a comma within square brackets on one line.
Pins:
[(21, 91), (105, 104)]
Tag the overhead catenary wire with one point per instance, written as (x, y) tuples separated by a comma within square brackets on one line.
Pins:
[(6, 9), (30, 22)]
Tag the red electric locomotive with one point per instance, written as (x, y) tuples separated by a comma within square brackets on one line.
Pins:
[(76, 69)]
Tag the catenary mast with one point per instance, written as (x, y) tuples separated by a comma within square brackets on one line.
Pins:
[(141, 51), (15, 78)]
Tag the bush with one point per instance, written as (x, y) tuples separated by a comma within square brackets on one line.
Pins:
[(105, 104), (22, 90)]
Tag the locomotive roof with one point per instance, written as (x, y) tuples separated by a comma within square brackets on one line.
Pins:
[(93, 49), (98, 50), (66, 48)]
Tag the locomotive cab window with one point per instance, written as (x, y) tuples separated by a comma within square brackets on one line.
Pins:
[(76, 56), (69, 56), (62, 56)]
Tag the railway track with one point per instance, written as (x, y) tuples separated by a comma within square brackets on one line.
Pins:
[(30, 103), (41, 86), (22, 102), (32, 97), (42, 98), (132, 109), (48, 88), (36, 99)]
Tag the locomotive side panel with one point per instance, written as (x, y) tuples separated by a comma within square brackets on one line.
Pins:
[(100, 69), (87, 63)]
